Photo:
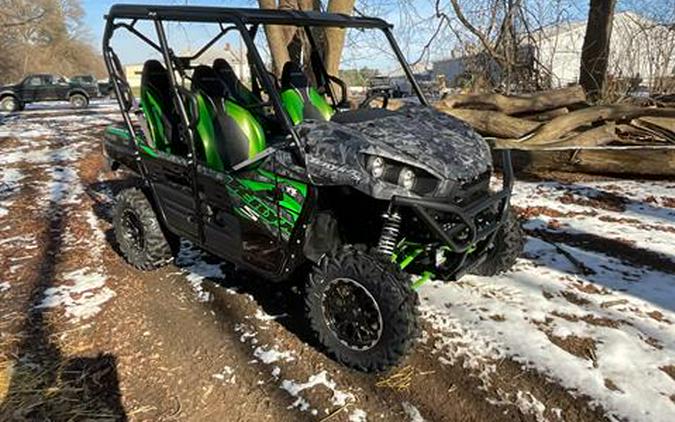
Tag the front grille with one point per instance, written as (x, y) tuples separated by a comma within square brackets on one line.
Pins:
[(473, 190)]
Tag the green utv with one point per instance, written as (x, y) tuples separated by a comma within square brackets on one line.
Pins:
[(281, 177)]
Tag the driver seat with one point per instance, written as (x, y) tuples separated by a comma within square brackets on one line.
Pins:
[(229, 133), (299, 98)]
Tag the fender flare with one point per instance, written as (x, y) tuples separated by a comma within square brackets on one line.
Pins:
[(6, 93), (78, 91)]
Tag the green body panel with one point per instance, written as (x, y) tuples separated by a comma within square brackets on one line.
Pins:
[(254, 195), (124, 134)]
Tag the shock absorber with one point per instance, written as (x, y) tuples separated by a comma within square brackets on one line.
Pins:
[(390, 231)]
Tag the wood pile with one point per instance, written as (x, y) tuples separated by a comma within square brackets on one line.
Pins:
[(562, 120)]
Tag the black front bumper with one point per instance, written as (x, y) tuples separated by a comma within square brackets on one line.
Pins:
[(468, 227)]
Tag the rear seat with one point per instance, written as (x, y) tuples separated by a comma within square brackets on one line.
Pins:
[(229, 133)]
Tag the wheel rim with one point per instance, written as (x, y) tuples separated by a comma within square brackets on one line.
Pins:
[(133, 230), (78, 102), (352, 314), (9, 105)]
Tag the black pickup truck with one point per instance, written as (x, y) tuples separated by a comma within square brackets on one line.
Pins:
[(45, 87)]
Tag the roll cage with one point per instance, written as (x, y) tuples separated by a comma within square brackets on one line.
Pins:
[(247, 22)]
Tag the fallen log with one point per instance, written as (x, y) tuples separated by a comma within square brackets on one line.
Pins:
[(601, 135), (657, 162), (661, 125), (562, 125), (492, 123), (546, 115), (540, 101)]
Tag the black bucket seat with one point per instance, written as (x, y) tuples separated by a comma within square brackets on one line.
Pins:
[(238, 90), (159, 110), (229, 133), (299, 98)]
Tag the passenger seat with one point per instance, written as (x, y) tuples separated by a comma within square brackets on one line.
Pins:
[(299, 98)]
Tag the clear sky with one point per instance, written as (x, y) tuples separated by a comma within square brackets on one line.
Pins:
[(411, 37)]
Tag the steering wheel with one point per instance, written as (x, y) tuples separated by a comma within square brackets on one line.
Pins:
[(378, 94)]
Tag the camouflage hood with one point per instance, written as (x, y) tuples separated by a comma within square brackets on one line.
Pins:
[(417, 136)]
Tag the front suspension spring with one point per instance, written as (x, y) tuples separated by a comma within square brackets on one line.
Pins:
[(390, 232)]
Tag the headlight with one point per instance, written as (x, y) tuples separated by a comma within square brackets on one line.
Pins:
[(376, 166), (406, 178)]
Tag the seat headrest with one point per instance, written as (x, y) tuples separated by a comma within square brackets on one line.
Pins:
[(293, 76), (207, 80), (222, 66), (154, 73)]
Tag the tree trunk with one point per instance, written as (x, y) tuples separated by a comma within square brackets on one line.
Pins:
[(277, 39), (335, 37), (595, 51)]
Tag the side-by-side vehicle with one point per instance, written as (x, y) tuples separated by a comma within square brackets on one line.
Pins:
[(282, 177)]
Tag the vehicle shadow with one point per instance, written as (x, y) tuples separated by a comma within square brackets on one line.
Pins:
[(43, 383)]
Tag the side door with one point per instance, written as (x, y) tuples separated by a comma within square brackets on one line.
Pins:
[(241, 217), (31, 87), (47, 92), (170, 177), (60, 89)]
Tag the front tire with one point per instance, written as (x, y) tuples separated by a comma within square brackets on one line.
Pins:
[(139, 234), (79, 101), (507, 247), (10, 104), (362, 309)]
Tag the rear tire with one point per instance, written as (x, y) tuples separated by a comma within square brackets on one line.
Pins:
[(507, 247), (10, 104), (78, 101), (139, 234), (362, 309)]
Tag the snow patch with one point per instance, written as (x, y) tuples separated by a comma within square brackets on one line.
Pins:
[(358, 415), (272, 355), (339, 398), (82, 294), (4, 286), (412, 412), (226, 375)]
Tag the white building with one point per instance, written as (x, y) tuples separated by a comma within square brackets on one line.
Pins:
[(236, 58), (639, 47)]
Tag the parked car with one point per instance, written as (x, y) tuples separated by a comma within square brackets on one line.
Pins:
[(45, 87)]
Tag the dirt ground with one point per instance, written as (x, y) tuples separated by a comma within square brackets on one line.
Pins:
[(83, 336)]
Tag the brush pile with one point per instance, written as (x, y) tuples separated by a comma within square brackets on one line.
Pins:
[(562, 119)]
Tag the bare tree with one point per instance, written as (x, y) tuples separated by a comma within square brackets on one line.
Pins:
[(595, 51), (44, 36)]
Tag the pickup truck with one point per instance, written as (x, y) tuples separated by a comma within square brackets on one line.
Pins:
[(45, 87)]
